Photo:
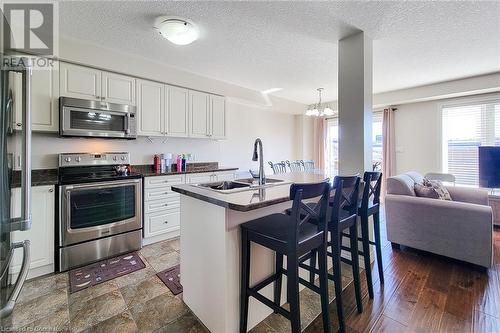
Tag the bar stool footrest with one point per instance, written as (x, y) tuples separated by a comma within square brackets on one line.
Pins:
[(269, 303)]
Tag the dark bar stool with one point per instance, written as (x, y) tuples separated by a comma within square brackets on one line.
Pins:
[(370, 206), (294, 237), (343, 216)]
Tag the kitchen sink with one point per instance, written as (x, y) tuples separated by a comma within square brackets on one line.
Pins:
[(238, 185), (254, 182), (224, 185)]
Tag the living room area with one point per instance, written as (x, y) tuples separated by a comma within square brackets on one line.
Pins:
[(440, 219)]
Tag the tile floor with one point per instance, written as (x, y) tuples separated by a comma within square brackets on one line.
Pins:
[(137, 302)]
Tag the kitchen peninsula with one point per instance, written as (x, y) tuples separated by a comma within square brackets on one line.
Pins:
[(210, 247)]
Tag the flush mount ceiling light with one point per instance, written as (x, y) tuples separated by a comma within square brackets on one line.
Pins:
[(319, 110), (177, 30)]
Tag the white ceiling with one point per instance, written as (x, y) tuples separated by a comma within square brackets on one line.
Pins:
[(293, 45)]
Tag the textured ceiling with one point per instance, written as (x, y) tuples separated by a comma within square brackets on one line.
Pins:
[(293, 45)]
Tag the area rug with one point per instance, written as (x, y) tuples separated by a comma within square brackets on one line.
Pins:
[(172, 279), (105, 270)]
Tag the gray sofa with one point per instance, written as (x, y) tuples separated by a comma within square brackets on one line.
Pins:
[(461, 229)]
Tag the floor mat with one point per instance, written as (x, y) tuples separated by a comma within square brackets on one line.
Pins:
[(105, 270), (172, 279)]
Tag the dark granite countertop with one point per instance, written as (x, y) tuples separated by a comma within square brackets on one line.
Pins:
[(147, 170), (39, 177), (247, 200)]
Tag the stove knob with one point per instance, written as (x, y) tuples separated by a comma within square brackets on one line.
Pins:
[(123, 158), (78, 159), (114, 158), (67, 159)]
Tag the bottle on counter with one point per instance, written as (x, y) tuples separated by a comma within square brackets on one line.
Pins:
[(163, 165), (156, 163), (168, 162), (179, 163), (183, 163)]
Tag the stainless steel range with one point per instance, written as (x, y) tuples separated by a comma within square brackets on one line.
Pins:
[(100, 208)]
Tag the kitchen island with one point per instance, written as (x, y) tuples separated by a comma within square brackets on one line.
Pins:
[(210, 248)]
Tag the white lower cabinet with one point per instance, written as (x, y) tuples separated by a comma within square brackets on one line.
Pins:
[(41, 234), (162, 217), (161, 208), (161, 222), (195, 178)]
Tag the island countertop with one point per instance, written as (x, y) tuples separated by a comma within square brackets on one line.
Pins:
[(250, 199)]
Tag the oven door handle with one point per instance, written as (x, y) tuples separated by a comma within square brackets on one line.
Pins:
[(107, 184)]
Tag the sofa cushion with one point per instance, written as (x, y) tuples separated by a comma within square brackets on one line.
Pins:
[(438, 187), (426, 191), (417, 178), (401, 185)]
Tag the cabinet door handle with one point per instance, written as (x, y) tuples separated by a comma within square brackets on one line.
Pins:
[(19, 124), (165, 205), (51, 190), (98, 97), (166, 222)]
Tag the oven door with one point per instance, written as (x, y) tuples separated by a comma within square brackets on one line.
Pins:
[(78, 121), (92, 211)]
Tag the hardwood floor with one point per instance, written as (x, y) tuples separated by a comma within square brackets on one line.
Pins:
[(425, 293)]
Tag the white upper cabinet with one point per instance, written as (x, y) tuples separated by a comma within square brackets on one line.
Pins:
[(177, 111), (218, 117), (150, 108), (44, 100), (162, 110), (80, 82), (118, 88), (89, 83), (199, 114)]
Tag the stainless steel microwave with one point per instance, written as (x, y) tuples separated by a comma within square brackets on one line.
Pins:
[(81, 117)]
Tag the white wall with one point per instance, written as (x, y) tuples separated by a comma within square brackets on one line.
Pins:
[(249, 115), (419, 136)]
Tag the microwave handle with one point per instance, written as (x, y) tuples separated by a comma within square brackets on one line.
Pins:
[(24, 222), (127, 124)]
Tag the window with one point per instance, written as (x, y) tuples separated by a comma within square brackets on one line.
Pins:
[(332, 154), (377, 141), (465, 128), (332, 147)]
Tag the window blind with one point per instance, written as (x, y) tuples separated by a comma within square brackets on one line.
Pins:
[(465, 128)]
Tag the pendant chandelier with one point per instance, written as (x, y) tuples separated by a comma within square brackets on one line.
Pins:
[(319, 110)]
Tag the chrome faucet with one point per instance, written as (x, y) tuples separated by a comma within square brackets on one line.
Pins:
[(259, 156)]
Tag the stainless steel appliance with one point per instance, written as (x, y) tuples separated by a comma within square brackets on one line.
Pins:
[(9, 290), (100, 209), (80, 117)]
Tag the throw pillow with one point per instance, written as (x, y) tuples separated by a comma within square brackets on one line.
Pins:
[(425, 191), (438, 187)]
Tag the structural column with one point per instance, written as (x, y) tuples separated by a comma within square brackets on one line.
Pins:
[(355, 104)]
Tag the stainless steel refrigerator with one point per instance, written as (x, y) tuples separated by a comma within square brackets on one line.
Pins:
[(15, 146)]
